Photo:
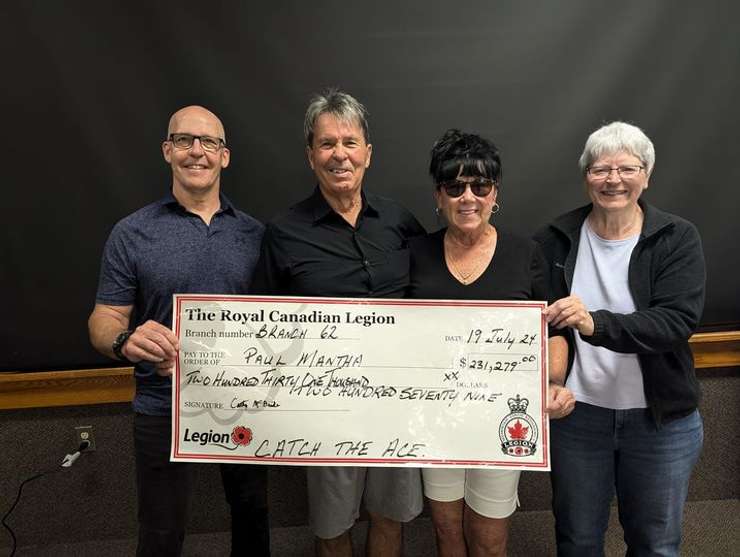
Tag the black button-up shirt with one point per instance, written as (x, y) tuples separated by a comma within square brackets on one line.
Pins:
[(310, 250)]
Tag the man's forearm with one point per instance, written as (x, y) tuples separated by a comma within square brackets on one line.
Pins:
[(104, 325)]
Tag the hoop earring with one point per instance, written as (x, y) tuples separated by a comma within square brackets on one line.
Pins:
[(496, 208), (436, 211)]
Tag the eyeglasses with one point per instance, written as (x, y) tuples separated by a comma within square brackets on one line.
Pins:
[(480, 187), (186, 140), (627, 171)]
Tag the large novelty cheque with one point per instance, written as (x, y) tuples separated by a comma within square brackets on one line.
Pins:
[(360, 382)]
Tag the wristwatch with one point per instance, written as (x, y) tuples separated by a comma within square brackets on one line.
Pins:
[(119, 342)]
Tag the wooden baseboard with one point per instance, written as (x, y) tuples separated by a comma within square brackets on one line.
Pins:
[(716, 349), (66, 388), (103, 386)]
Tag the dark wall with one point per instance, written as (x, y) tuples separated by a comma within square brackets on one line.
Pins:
[(89, 87)]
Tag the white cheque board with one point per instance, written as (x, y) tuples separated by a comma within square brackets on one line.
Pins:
[(360, 382)]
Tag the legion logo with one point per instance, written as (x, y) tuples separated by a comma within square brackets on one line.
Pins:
[(518, 431), (240, 436)]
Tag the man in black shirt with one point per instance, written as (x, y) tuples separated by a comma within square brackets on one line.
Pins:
[(342, 241)]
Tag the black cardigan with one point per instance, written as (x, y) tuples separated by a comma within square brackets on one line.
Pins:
[(666, 278)]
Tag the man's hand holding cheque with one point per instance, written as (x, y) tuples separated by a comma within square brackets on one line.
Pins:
[(153, 342)]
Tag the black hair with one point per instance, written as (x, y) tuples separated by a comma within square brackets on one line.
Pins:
[(457, 153)]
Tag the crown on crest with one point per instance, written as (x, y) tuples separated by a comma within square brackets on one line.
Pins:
[(518, 404)]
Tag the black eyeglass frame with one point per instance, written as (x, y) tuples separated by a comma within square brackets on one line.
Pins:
[(221, 142)]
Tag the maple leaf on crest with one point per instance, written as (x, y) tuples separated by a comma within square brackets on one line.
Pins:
[(518, 431)]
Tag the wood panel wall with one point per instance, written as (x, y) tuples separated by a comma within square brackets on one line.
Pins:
[(100, 386)]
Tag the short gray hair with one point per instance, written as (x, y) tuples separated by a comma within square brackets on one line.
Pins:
[(342, 105), (615, 137)]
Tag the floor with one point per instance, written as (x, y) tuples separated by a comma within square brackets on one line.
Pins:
[(712, 528)]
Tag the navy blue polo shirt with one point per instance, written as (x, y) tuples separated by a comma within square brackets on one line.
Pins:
[(161, 250)]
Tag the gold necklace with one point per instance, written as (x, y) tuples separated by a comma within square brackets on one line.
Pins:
[(481, 260), (462, 276)]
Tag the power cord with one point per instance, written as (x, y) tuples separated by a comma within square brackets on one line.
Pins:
[(67, 462)]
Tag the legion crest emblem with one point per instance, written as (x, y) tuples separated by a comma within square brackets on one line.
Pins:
[(518, 431)]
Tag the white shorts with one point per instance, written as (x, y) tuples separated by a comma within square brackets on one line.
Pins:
[(491, 493)]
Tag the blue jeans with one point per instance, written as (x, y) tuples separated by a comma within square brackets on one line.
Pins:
[(596, 451)]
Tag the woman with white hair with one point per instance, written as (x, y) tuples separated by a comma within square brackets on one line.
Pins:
[(630, 279)]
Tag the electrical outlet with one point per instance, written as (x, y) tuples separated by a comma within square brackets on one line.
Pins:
[(85, 433)]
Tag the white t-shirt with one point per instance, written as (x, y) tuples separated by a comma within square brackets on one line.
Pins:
[(600, 376)]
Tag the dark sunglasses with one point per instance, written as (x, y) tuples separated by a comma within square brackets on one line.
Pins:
[(480, 187)]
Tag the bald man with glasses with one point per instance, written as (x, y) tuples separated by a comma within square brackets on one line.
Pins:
[(191, 241)]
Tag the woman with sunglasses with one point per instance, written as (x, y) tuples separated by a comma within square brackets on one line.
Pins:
[(630, 279), (472, 259)]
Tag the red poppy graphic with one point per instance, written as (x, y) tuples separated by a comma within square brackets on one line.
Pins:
[(518, 431), (241, 435)]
